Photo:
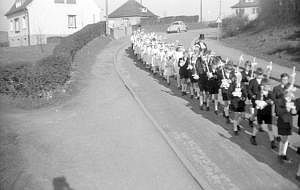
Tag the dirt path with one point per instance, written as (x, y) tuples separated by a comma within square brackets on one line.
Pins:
[(100, 139)]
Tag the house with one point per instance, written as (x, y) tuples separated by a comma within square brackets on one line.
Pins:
[(31, 22), (130, 13), (249, 8)]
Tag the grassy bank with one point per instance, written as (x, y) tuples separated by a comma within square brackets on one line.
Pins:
[(41, 82), (281, 45), (31, 54)]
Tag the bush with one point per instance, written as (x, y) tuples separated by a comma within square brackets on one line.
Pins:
[(279, 12), (233, 25), (4, 44), (43, 78)]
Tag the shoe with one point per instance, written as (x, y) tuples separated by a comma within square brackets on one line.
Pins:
[(297, 177), (198, 97), (238, 127), (182, 93), (227, 120), (253, 140), (236, 133), (178, 87), (285, 159), (207, 108), (273, 146), (169, 84), (216, 112), (192, 96), (201, 107)]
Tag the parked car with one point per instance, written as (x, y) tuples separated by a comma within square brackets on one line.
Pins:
[(177, 26)]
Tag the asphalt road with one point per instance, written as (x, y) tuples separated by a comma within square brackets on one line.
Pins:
[(99, 139)]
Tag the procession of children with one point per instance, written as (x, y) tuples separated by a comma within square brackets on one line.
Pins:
[(244, 87)]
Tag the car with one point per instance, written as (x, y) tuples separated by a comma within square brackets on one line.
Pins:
[(177, 26)]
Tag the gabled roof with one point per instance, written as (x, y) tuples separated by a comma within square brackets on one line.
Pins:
[(14, 9), (131, 9), (243, 4)]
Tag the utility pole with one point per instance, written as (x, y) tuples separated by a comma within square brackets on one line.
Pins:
[(200, 16), (220, 9), (106, 17), (219, 21)]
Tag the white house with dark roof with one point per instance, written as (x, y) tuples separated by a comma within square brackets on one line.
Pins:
[(32, 21), (131, 13), (249, 8)]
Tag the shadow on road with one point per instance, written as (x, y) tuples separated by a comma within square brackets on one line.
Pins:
[(60, 183), (261, 153)]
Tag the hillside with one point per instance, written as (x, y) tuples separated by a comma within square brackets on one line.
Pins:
[(279, 44), (273, 36)]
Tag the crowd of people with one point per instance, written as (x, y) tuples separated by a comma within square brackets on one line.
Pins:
[(204, 75)]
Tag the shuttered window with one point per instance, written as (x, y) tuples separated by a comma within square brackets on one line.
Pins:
[(59, 1), (71, 1)]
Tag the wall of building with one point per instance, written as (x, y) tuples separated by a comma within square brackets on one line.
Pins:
[(251, 12), (20, 37), (115, 22), (47, 18)]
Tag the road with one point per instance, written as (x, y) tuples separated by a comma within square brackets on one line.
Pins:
[(103, 139), (99, 139)]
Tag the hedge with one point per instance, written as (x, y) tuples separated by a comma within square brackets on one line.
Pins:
[(41, 79)]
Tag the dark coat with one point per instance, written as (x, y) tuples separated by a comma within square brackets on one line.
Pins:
[(237, 104), (285, 118), (278, 95), (297, 104), (183, 72), (254, 89)]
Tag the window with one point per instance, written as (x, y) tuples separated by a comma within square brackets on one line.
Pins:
[(11, 25), (144, 10), (242, 11), (59, 1), (24, 22), (257, 10), (18, 3), (72, 21), (17, 25), (71, 1)]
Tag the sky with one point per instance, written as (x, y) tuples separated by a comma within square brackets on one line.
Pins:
[(161, 8)]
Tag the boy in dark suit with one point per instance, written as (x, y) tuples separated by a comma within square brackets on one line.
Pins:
[(254, 90), (264, 112)]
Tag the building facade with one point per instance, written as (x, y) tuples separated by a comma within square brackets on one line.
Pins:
[(130, 13), (249, 8), (33, 21)]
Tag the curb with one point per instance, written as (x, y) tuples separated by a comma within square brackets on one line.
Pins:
[(187, 164)]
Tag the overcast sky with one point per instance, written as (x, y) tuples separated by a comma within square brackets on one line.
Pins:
[(159, 7)]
